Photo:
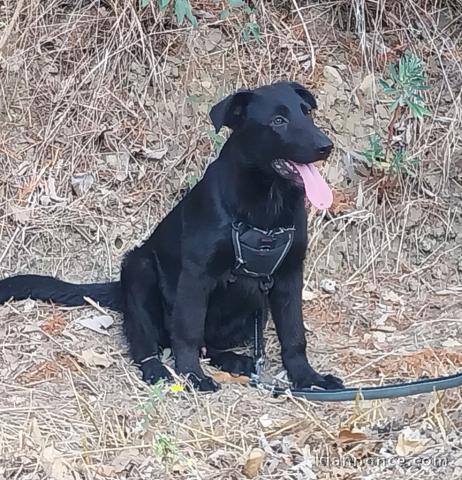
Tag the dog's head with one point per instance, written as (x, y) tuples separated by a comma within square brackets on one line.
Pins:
[(276, 128)]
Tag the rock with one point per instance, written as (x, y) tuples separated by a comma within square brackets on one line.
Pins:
[(329, 286), (370, 287), (332, 76), (426, 245), (382, 112), (367, 85), (368, 122), (414, 216)]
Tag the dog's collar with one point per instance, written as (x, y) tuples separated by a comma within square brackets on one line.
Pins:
[(259, 253)]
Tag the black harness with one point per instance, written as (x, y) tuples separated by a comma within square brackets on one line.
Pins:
[(259, 253)]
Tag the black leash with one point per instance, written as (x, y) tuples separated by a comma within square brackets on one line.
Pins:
[(258, 253), (348, 394)]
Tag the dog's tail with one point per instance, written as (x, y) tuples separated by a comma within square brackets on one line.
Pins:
[(51, 289)]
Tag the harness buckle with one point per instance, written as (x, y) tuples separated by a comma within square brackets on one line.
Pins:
[(266, 284)]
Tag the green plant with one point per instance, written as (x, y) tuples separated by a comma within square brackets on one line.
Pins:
[(374, 154), (406, 81), (156, 394), (182, 9), (405, 84), (164, 448), (235, 4), (401, 163), (192, 180), (217, 140), (251, 31)]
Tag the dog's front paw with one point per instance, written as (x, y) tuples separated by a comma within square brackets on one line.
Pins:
[(327, 382), (203, 384), (331, 382)]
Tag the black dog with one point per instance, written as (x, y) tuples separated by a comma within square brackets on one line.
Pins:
[(236, 239)]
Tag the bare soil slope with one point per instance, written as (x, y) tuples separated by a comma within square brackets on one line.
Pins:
[(103, 126)]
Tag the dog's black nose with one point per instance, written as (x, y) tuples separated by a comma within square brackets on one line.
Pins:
[(326, 149)]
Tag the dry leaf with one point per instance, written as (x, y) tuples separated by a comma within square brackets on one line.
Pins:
[(343, 202), (225, 377), (21, 214), (35, 433), (152, 154), (410, 442), (54, 465), (391, 296), (48, 369), (54, 325), (94, 359), (124, 458), (29, 305), (254, 463), (97, 323), (347, 436), (52, 191), (213, 39), (81, 183), (265, 421), (451, 343), (119, 163), (308, 296), (105, 470)]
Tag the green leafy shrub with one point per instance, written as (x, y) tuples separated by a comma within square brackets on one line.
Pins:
[(404, 86)]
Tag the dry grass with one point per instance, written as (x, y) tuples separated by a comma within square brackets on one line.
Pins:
[(103, 111)]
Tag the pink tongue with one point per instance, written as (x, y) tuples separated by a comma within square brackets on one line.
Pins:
[(316, 188)]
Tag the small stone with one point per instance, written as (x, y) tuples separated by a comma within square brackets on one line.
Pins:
[(369, 288), (368, 122), (332, 76), (329, 286), (382, 112), (439, 232), (45, 200), (367, 85), (426, 245)]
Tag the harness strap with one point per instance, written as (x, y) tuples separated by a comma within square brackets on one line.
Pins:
[(259, 345)]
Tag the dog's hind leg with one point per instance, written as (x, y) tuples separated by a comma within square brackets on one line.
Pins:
[(143, 315), (231, 362), (231, 333)]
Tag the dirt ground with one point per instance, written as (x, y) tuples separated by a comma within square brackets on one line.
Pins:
[(103, 111)]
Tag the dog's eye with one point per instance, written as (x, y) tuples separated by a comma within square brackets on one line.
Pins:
[(306, 110), (279, 120)]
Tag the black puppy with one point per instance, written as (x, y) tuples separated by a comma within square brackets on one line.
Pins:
[(195, 282)]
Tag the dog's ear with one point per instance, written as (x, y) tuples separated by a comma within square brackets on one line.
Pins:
[(231, 110), (304, 93)]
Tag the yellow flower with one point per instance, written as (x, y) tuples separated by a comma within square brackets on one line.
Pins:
[(175, 388)]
